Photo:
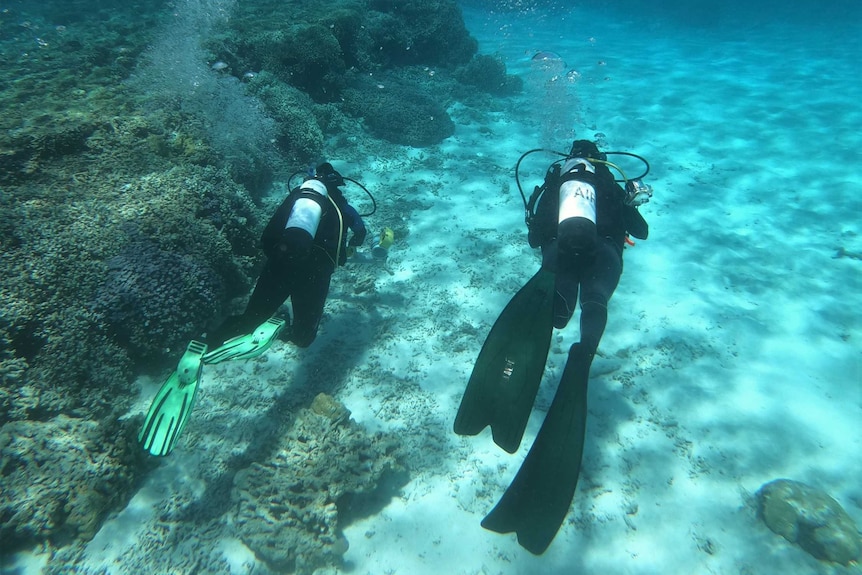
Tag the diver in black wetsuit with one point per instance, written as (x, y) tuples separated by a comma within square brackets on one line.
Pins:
[(581, 218), (304, 242), (585, 255)]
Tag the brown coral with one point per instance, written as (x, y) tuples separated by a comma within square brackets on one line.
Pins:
[(290, 506), (810, 518)]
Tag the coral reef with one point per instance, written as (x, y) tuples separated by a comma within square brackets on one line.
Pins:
[(108, 279), (129, 167), (311, 46), (399, 111), (62, 476), (488, 74), (136, 259), (299, 134), (308, 54), (290, 508), (152, 300), (175, 75), (334, 52), (810, 518), (427, 32)]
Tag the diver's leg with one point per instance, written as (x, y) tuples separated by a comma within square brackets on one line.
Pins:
[(307, 301), (272, 288), (565, 298), (565, 285), (598, 286)]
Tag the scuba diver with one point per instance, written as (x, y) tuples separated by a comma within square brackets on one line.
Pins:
[(304, 242), (581, 218)]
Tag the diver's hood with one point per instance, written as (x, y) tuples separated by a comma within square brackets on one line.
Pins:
[(584, 149)]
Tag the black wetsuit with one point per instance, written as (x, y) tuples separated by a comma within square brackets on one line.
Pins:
[(301, 273), (595, 271)]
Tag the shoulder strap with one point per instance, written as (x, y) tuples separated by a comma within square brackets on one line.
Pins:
[(552, 180)]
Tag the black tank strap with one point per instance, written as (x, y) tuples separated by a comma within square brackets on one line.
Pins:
[(581, 174)]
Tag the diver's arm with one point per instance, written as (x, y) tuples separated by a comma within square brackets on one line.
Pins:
[(356, 225), (635, 223)]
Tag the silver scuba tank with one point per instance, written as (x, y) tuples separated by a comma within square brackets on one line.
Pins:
[(576, 230), (577, 198), (306, 212)]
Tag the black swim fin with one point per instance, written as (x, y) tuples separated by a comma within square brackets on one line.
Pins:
[(536, 503), (509, 368)]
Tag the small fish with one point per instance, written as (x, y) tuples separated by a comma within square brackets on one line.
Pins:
[(545, 55), (548, 61), (845, 253)]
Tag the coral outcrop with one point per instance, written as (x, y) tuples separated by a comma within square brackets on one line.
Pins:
[(290, 508), (430, 32), (488, 74), (299, 132), (114, 276), (809, 517), (399, 111), (335, 52), (61, 477)]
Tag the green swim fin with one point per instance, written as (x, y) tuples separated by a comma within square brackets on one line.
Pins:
[(506, 377), (536, 503), (247, 346), (170, 410)]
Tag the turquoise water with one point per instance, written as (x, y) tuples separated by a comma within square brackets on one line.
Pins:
[(731, 356)]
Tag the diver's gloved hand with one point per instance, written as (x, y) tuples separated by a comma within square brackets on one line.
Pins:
[(355, 242)]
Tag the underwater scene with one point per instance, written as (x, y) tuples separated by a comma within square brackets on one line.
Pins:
[(429, 287)]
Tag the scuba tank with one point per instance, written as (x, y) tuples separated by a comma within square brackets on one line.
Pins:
[(306, 212), (304, 218), (637, 192), (310, 174), (576, 229)]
